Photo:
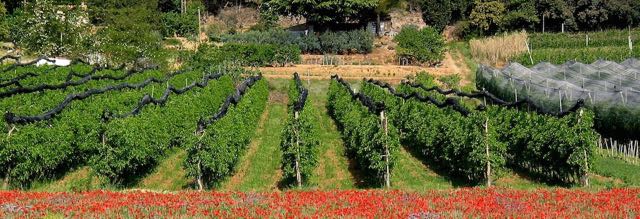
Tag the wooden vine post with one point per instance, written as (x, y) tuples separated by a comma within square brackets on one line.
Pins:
[(585, 177), (5, 182), (200, 133), (387, 175), (486, 137), (297, 134)]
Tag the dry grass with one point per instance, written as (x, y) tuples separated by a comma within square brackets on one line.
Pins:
[(498, 50)]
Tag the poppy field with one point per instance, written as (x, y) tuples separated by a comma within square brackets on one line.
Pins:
[(466, 202)]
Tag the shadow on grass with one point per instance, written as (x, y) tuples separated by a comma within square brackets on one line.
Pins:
[(455, 181), (362, 180), (538, 178)]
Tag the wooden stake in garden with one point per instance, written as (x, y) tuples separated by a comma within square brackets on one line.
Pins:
[(486, 136), (387, 175), (295, 130), (585, 177), (200, 133), (199, 28)]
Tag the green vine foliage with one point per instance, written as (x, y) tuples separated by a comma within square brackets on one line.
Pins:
[(308, 140), (558, 150), (552, 149), (216, 153), (362, 132), (452, 142), (136, 143), (43, 149)]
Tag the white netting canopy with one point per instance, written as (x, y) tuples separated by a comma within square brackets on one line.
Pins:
[(556, 86)]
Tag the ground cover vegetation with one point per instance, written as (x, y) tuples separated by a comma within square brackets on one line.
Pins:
[(473, 18), (586, 47)]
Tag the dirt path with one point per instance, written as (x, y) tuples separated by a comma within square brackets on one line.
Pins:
[(390, 73)]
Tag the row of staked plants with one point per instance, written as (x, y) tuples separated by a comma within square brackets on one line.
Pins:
[(77, 133), (477, 144), (587, 47), (366, 141), (213, 153), (300, 141)]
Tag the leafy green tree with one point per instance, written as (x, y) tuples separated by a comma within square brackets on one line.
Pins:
[(554, 13), (590, 14), (4, 23), (102, 10), (520, 14), (623, 13), (131, 33), (460, 9), (487, 16), (425, 45), (326, 12), (45, 29), (436, 13), (182, 24)]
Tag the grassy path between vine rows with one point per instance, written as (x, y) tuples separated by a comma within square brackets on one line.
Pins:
[(332, 171), (413, 175), (259, 168), (169, 174)]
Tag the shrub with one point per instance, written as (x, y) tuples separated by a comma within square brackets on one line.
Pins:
[(450, 81), (130, 35), (176, 23), (424, 46), (341, 42), (246, 54), (181, 24)]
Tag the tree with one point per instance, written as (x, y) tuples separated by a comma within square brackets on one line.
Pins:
[(101, 10), (520, 14), (487, 16), (182, 24), (45, 29), (326, 12), (436, 13), (590, 13), (4, 26), (554, 13), (425, 45), (129, 34), (623, 13), (460, 9)]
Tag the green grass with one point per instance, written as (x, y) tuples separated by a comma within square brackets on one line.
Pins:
[(264, 171), (617, 168), (333, 167), (412, 175), (169, 174), (259, 169), (82, 179)]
